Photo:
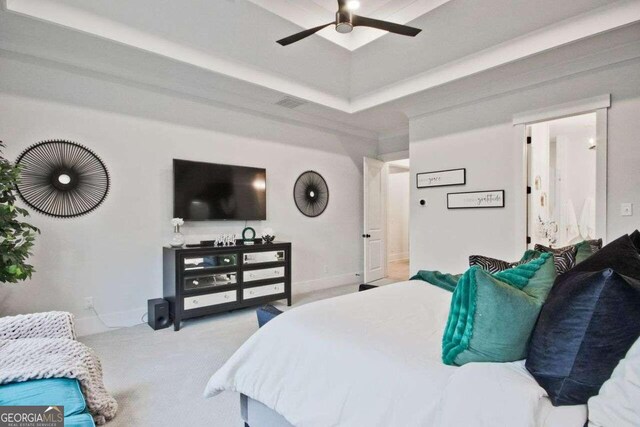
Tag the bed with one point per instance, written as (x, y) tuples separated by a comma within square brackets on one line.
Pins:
[(373, 358)]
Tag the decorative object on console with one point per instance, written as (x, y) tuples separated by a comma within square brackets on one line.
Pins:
[(476, 199), (225, 240), (268, 235), (311, 194), (588, 323), (177, 241), (248, 236), (17, 236), (62, 178), (493, 265), (441, 178), (508, 302)]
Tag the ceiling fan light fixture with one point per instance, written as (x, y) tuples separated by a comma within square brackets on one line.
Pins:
[(353, 5), (346, 20), (344, 27)]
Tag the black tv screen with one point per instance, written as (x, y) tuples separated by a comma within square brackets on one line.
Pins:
[(208, 191)]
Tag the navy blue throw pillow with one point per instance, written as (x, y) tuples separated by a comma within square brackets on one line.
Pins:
[(587, 324), (635, 239)]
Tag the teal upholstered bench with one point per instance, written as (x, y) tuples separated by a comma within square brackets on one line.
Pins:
[(50, 392)]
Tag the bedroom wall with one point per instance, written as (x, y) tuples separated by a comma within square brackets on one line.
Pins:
[(398, 214), (480, 137), (114, 253)]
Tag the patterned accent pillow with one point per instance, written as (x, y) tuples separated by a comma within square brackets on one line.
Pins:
[(567, 257), (493, 265), (565, 261)]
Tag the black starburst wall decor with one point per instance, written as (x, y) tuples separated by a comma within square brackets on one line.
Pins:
[(311, 194), (62, 178)]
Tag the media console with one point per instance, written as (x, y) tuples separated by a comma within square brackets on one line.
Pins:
[(198, 281)]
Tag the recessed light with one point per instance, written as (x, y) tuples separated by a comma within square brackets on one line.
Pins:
[(353, 5)]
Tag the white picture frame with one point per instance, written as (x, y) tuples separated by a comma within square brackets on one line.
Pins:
[(476, 199)]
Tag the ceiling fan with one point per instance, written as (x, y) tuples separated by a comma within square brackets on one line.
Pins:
[(346, 20)]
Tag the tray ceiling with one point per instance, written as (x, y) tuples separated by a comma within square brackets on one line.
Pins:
[(225, 51), (310, 13)]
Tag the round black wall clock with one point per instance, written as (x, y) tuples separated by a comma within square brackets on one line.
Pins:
[(311, 194), (62, 179)]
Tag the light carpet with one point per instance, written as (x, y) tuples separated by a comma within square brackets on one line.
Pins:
[(158, 377)]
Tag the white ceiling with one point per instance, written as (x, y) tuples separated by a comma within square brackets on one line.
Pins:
[(311, 13), (225, 51)]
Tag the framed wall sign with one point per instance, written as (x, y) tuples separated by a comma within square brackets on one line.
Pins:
[(441, 178), (476, 199)]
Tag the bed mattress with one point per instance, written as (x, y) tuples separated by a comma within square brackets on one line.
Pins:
[(373, 358)]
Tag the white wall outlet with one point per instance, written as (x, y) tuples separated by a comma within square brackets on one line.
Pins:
[(326, 269), (626, 209), (88, 303)]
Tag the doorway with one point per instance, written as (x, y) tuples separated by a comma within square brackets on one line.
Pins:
[(386, 221), (563, 181), (398, 185)]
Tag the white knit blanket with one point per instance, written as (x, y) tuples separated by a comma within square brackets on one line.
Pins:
[(38, 358)]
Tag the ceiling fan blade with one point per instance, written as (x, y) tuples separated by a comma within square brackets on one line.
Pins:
[(361, 21), (303, 34)]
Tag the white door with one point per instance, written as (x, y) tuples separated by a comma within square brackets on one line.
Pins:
[(374, 220)]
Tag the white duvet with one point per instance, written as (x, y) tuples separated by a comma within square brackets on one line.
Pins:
[(373, 359)]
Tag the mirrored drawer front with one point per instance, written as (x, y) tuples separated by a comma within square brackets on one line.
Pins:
[(262, 257), (209, 281), (261, 291), (209, 300), (267, 273), (210, 261)]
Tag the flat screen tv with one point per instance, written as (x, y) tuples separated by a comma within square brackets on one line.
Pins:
[(208, 191)]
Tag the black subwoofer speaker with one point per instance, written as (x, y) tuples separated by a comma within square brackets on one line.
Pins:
[(158, 313)]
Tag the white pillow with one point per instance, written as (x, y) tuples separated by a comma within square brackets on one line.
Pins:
[(618, 403)]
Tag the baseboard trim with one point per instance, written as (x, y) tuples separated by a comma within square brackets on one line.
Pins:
[(93, 325), (326, 282)]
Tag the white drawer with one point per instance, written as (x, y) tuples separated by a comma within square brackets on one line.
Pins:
[(262, 257), (261, 291), (210, 299), (263, 274)]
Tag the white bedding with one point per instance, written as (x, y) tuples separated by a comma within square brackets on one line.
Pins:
[(373, 358)]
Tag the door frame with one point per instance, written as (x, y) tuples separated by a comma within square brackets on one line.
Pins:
[(599, 105), (383, 200)]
